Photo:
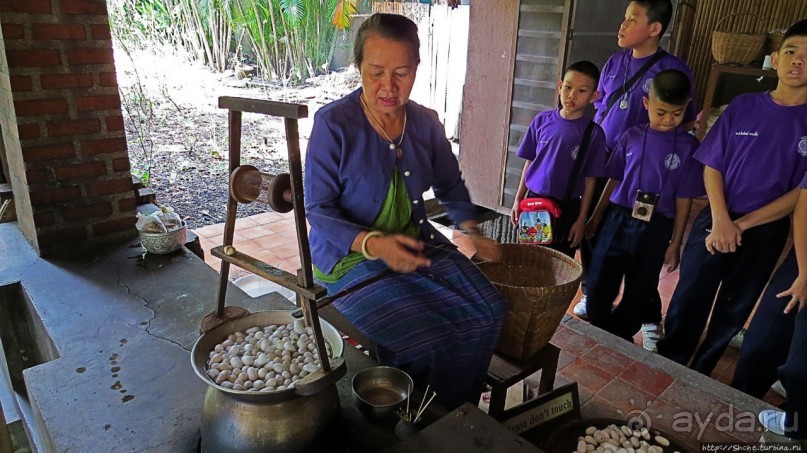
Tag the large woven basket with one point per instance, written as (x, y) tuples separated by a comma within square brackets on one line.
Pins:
[(162, 243), (734, 47), (539, 285)]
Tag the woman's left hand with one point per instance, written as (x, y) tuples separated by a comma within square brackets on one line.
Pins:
[(400, 252), (797, 293), (486, 249)]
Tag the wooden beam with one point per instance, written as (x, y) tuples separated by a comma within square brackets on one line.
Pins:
[(274, 108)]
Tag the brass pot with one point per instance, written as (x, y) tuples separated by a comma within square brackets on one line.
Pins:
[(281, 421)]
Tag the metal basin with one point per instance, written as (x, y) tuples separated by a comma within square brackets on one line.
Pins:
[(380, 390), (242, 421)]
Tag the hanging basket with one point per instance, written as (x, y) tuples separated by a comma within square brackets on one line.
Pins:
[(734, 47), (775, 39), (538, 284)]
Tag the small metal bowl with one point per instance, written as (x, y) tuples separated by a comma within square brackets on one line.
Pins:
[(380, 390), (163, 243)]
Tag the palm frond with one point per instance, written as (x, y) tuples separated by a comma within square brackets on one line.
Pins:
[(293, 10), (343, 13)]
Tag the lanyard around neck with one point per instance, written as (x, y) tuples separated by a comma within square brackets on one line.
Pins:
[(667, 167)]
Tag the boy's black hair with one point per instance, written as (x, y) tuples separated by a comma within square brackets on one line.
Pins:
[(586, 68), (657, 11), (797, 29), (671, 86), (390, 26)]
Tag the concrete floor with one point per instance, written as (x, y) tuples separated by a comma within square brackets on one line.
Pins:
[(121, 327)]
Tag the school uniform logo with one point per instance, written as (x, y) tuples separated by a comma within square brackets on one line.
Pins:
[(672, 161), (803, 146), (647, 83), (575, 150)]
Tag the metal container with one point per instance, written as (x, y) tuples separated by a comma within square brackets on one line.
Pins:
[(380, 390), (282, 421), (162, 243)]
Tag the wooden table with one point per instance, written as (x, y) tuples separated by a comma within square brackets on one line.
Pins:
[(712, 84)]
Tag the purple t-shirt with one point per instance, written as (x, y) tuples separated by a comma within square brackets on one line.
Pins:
[(804, 182), (617, 71), (552, 143), (760, 147), (656, 162)]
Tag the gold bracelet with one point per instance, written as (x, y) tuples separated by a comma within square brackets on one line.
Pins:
[(364, 244)]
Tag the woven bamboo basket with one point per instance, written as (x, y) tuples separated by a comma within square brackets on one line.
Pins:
[(775, 40), (538, 284), (734, 47)]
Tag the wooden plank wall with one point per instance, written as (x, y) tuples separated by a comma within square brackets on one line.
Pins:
[(486, 104), (443, 34), (766, 15)]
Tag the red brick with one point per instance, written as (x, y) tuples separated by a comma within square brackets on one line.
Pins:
[(572, 342), (21, 83), (587, 375), (89, 211), (128, 204), (58, 31), (84, 7), (690, 397), (13, 31), (60, 195), (26, 6), (624, 397), (103, 102), (44, 219), (121, 164), (74, 127), (37, 176), (105, 145), (646, 378), (18, 58), (77, 171), (115, 226), (57, 81), (48, 152), (100, 32), (28, 131), (53, 239), (107, 187), (114, 123), (41, 107), (108, 79), (607, 359), (89, 56)]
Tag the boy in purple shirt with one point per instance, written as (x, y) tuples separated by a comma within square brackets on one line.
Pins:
[(653, 178), (551, 147), (755, 157), (776, 342), (620, 105), (644, 25)]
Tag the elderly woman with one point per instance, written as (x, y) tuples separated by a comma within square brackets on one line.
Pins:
[(370, 158)]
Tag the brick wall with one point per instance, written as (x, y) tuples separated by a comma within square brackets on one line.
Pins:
[(62, 125)]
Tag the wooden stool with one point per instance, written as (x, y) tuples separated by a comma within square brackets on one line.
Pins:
[(505, 372)]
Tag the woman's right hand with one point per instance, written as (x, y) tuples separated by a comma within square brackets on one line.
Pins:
[(401, 253)]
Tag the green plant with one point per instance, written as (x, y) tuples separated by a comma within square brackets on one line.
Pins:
[(290, 40)]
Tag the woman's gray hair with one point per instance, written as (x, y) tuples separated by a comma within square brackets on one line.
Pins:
[(389, 26)]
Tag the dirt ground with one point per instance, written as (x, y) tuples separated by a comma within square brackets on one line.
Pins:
[(173, 124)]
